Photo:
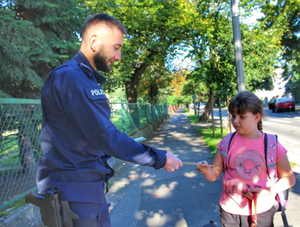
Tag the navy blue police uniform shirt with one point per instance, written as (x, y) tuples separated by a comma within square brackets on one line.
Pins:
[(78, 138)]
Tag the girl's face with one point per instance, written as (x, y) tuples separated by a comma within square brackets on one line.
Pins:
[(246, 124)]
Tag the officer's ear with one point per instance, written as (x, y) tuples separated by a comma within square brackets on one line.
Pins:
[(93, 42)]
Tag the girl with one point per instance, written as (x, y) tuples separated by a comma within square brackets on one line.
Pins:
[(246, 174)]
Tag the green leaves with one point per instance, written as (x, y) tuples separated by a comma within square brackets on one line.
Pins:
[(38, 35), (35, 37), (155, 27)]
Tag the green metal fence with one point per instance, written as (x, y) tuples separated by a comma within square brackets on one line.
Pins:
[(20, 125)]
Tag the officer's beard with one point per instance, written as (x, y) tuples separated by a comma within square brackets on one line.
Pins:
[(100, 61)]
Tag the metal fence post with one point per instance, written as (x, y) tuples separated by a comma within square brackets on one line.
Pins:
[(165, 109), (155, 111), (123, 117), (147, 113), (138, 115)]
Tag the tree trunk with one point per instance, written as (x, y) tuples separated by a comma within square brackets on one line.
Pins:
[(131, 86), (211, 95), (229, 128), (153, 93), (206, 112), (221, 120), (199, 108), (131, 93)]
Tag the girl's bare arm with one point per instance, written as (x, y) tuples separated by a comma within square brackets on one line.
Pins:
[(285, 174), (286, 179), (214, 172)]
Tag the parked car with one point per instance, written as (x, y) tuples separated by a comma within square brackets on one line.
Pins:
[(271, 103), (283, 103)]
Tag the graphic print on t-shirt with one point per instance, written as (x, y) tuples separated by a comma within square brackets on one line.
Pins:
[(248, 165)]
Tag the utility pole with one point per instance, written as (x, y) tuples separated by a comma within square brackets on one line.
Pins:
[(237, 45)]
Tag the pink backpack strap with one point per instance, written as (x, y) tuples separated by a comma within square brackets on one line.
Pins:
[(271, 155), (225, 146), (271, 146)]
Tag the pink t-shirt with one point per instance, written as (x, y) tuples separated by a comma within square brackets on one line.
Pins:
[(246, 169)]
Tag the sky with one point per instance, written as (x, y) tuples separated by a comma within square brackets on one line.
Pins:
[(253, 19)]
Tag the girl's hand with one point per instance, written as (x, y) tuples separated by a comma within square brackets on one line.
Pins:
[(203, 166), (259, 191)]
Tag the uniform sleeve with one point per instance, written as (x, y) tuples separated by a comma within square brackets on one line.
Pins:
[(87, 107)]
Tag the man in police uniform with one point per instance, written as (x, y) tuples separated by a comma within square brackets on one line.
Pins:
[(78, 137)]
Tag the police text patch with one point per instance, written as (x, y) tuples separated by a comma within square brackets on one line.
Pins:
[(95, 93)]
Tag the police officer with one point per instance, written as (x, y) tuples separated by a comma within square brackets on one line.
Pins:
[(77, 136)]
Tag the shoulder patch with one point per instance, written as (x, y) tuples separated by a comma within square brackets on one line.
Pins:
[(95, 93)]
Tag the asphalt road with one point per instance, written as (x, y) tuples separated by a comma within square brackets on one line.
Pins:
[(144, 197)]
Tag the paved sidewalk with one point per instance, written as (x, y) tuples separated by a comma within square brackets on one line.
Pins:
[(141, 196)]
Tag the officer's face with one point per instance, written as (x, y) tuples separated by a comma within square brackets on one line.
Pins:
[(109, 49)]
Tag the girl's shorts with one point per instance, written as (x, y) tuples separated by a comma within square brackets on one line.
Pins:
[(264, 219)]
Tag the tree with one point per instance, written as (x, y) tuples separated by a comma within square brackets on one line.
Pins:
[(153, 80), (286, 15), (261, 51), (295, 86), (155, 29), (36, 36), (172, 100), (20, 45), (177, 86), (213, 51)]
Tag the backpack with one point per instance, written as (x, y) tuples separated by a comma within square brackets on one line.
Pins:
[(270, 148)]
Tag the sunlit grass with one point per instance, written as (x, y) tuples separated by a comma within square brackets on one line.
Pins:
[(207, 136), (9, 145), (193, 118), (9, 149), (11, 160), (293, 164), (186, 110)]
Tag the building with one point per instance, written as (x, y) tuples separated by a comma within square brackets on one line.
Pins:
[(279, 88)]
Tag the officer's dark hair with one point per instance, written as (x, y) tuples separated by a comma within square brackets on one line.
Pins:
[(105, 19), (246, 101)]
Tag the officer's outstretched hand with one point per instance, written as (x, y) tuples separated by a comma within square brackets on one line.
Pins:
[(172, 163)]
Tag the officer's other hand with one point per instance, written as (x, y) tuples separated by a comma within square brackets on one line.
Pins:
[(172, 163)]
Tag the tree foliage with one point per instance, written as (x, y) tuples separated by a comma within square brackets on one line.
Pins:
[(20, 46), (155, 27), (286, 14), (36, 36), (172, 100), (154, 80)]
